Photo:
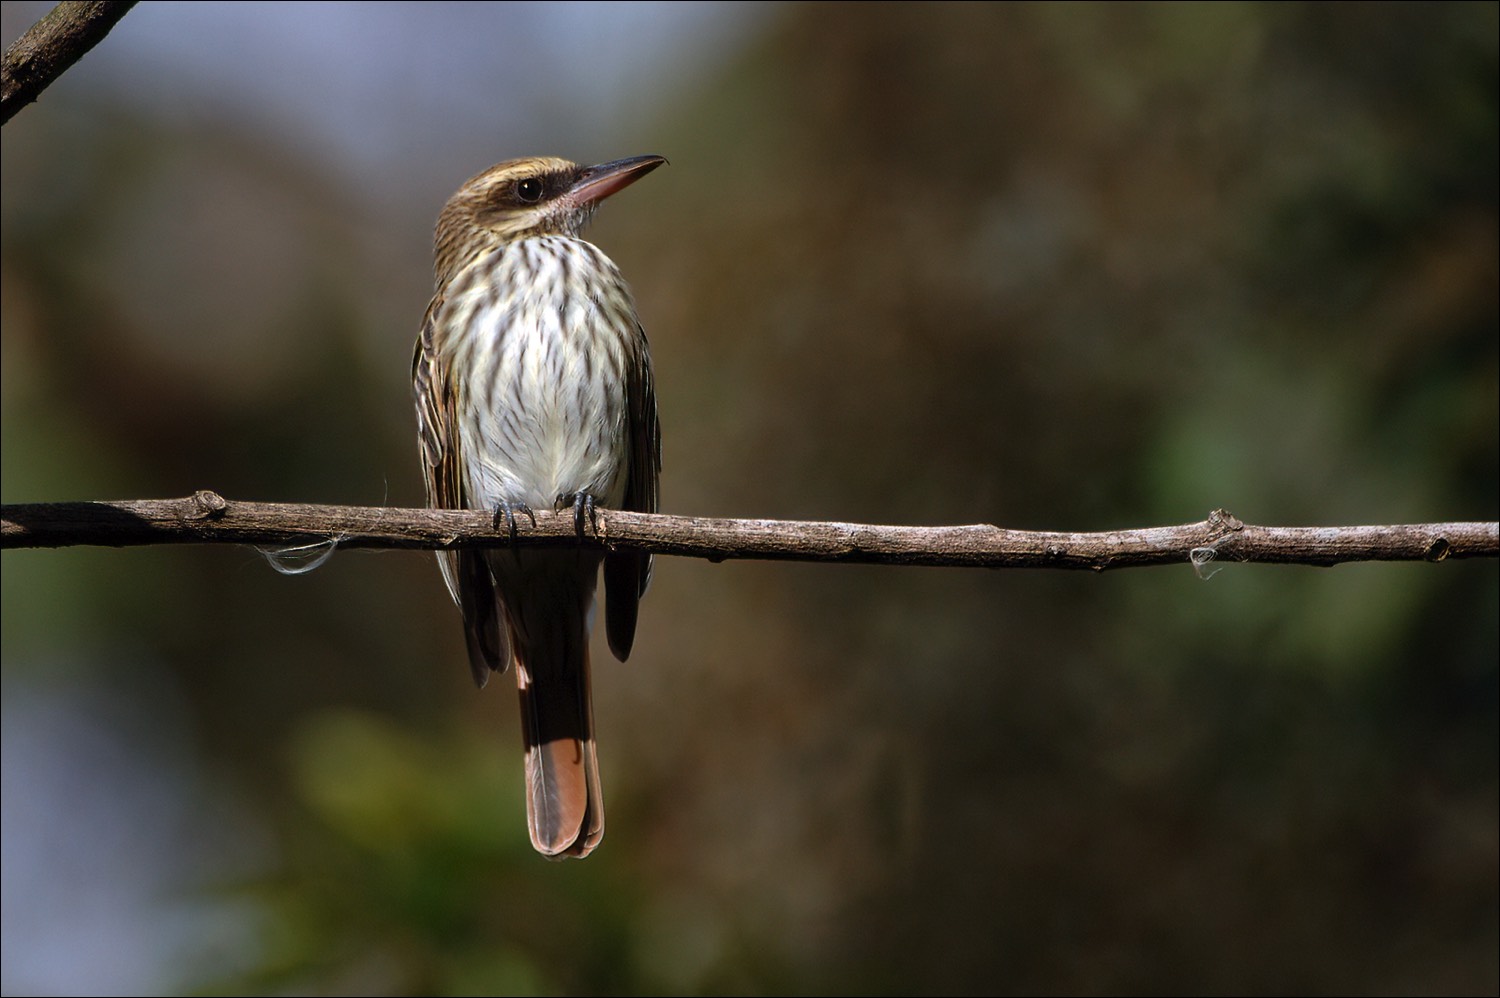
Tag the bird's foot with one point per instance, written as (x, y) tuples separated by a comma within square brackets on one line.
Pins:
[(584, 514), (505, 513)]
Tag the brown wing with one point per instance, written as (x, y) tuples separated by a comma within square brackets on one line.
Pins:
[(628, 573), (467, 576)]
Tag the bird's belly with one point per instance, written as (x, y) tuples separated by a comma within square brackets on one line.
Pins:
[(550, 418)]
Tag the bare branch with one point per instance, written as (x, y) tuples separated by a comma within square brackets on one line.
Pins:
[(50, 46), (208, 518)]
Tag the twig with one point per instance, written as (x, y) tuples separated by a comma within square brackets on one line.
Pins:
[(50, 46), (208, 518)]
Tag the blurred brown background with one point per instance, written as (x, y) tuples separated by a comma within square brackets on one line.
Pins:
[(1072, 267)]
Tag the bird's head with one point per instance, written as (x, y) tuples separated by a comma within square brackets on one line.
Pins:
[(536, 196)]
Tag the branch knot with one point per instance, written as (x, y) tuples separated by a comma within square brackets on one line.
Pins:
[(209, 505)]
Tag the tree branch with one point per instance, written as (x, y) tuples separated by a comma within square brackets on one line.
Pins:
[(50, 46), (208, 518)]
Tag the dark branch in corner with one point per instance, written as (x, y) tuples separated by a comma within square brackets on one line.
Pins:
[(208, 518), (50, 46)]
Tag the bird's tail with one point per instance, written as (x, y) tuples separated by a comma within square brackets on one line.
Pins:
[(549, 636)]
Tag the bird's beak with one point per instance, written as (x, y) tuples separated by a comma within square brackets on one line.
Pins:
[(596, 183)]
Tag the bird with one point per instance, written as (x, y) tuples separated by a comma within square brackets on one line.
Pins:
[(533, 388)]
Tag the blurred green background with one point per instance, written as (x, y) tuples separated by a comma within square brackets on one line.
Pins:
[(1072, 267)]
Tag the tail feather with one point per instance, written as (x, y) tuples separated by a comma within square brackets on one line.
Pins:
[(564, 800)]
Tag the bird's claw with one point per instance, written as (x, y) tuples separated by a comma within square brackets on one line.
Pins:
[(505, 513), (583, 512)]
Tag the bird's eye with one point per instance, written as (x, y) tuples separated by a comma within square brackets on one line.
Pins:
[(529, 191)]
